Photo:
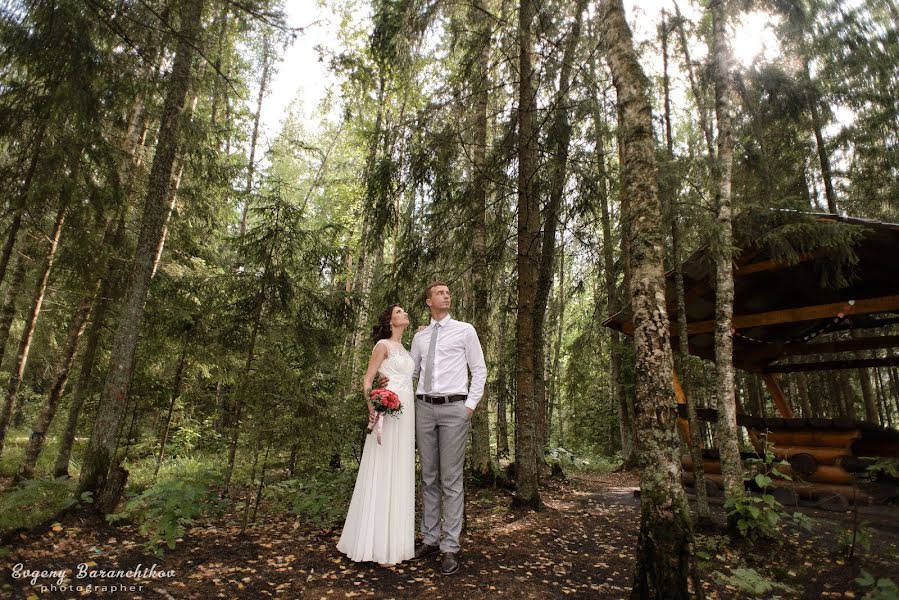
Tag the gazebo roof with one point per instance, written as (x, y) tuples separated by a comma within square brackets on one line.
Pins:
[(784, 311)]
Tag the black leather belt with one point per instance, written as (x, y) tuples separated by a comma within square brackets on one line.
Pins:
[(441, 399)]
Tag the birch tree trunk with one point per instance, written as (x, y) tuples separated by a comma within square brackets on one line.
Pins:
[(15, 378), (99, 458), (665, 565), (63, 368), (695, 442), (728, 440), (254, 138)]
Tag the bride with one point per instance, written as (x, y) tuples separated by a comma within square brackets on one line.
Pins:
[(380, 523)]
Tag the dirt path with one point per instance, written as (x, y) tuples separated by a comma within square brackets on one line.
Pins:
[(580, 546)]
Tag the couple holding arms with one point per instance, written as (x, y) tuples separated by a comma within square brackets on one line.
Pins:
[(436, 415)]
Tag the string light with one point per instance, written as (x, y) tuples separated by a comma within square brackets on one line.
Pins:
[(839, 318)]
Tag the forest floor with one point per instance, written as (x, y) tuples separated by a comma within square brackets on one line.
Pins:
[(580, 546)]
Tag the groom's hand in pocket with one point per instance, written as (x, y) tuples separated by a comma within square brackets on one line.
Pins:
[(470, 411)]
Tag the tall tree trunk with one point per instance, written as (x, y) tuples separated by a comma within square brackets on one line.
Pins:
[(527, 473), (15, 378), (695, 442), (251, 167), (698, 96), (176, 392), (728, 440), (555, 396), (823, 155), (883, 408), (99, 458), (8, 312), (848, 394), (100, 309), (241, 393), (63, 368), (804, 401), (482, 464), (894, 382), (617, 392), (16, 222), (559, 141), (864, 379), (502, 388), (665, 565), (370, 251)]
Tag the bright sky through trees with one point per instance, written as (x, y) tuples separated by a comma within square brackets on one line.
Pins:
[(302, 80)]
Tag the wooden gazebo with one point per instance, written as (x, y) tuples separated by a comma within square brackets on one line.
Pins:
[(786, 320)]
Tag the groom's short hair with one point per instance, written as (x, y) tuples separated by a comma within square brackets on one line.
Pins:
[(430, 287)]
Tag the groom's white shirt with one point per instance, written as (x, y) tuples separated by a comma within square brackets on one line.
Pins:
[(458, 351)]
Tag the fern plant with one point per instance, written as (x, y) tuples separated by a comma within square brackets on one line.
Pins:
[(167, 508)]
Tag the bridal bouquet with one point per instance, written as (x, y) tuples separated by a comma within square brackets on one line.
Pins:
[(384, 402)]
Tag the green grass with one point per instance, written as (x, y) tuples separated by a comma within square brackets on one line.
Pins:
[(34, 502)]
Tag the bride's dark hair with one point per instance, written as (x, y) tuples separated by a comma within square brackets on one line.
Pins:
[(382, 329)]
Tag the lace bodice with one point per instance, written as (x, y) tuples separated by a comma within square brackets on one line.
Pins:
[(397, 366)]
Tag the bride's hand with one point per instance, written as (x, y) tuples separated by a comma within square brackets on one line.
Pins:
[(372, 413), (383, 381)]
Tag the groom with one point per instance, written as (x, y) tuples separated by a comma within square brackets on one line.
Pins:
[(443, 410)]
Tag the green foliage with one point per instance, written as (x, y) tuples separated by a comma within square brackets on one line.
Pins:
[(710, 545), (189, 435), (319, 498), (567, 459), (756, 517), (883, 467), (165, 509), (852, 539), (802, 521), (880, 589), (34, 501), (751, 582)]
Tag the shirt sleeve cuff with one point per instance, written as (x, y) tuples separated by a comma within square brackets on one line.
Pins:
[(471, 404)]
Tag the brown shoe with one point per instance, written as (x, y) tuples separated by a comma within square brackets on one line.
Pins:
[(449, 564), (424, 550)]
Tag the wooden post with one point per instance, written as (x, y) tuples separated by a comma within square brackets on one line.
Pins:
[(777, 394), (682, 423)]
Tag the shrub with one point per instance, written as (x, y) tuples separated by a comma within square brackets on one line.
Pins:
[(319, 498), (165, 509), (35, 501), (881, 589), (755, 517), (751, 582)]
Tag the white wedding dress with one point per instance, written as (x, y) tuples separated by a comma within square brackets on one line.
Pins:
[(380, 523)]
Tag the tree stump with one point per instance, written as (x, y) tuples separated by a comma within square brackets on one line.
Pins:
[(109, 495)]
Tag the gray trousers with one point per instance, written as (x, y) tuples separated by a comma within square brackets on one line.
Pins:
[(441, 432)]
